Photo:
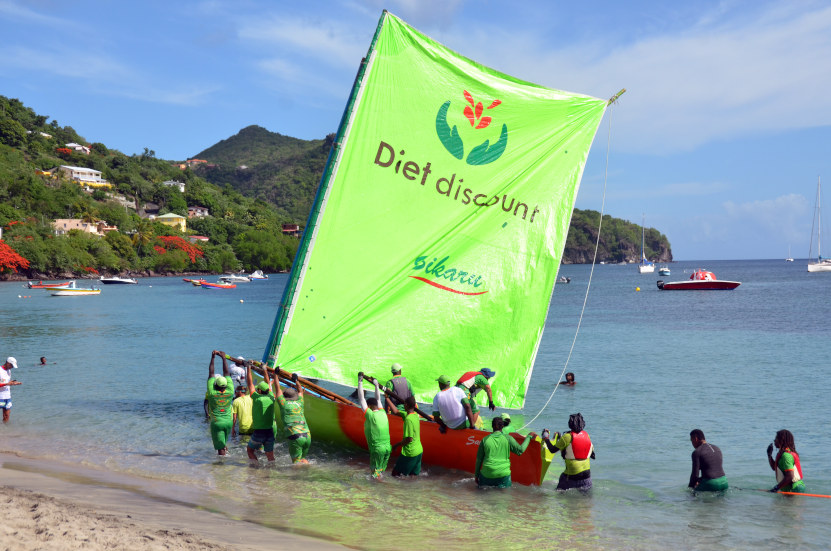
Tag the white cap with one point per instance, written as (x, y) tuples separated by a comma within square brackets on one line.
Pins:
[(12, 362)]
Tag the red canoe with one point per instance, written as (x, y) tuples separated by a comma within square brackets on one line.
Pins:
[(206, 285), (700, 280), (42, 285)]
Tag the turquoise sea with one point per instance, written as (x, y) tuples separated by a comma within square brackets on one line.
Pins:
[(123, 391)]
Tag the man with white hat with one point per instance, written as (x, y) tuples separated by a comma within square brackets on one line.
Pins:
[(6, 383)]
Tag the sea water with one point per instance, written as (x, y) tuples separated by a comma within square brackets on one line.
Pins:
[(125, 379)]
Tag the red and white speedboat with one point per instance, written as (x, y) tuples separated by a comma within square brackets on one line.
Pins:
[(700, 280)]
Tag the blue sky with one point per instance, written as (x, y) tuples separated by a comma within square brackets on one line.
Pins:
[(719, 140)]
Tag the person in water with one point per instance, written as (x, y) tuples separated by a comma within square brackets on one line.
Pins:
[(220, 396), (242, 408), (409, 462), (576, 448), (401, 387), (786, 465), (262, 416), (43, 360), (493, 458), (471, 383), (376, 428), (6, 383), (569, 379), (706, 460), (293, 417), (451, 406)]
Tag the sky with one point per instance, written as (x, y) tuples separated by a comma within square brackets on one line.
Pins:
[(717, 143)]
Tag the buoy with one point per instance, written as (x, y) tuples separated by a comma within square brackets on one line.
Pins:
[(637, 288), (240, 300)]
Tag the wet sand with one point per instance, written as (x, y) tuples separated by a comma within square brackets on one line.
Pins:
[(47, 505)]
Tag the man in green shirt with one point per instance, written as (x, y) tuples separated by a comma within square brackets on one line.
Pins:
[(401, 387), (493, 459), (409, 462), (262, 416), (376, 428), (294, 420), (242, 411), (220, 395)]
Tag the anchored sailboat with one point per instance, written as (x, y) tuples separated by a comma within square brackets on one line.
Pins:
[(645, 267), (465, 178), (822, 264)]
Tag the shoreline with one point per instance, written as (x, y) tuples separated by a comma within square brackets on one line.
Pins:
[(52, 505)]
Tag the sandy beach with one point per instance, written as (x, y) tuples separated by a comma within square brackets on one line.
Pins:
[(50, 506)]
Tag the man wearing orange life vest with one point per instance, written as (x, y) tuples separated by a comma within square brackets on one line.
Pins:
[(786, 465), (471, 383), (576, 448)]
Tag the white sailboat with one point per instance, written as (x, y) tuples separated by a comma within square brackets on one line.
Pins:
[(789, 258), (822, 264), (645, 267)]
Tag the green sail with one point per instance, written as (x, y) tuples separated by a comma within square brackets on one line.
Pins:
[(439, 225)]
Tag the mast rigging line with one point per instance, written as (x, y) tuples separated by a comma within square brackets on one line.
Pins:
[(612, 101)]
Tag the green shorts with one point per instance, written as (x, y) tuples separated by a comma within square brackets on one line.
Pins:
[(378, 459), (504, 482), (220, 431), (798, 487), (407, 466), (299, 447), (712, 484)]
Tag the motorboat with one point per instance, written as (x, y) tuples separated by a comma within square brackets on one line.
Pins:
[(700, 280), (257, 274), (118, 280), (234, 278), (208, 285), (563, 279), (71, 291), (42, 285), (664, 271)]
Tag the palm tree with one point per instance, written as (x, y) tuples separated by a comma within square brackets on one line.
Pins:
[(144, 234)]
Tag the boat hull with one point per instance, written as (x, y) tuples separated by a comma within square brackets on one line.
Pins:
[(74, 292), (698, 285), (819, 267), (206, 285), (343, 424), (118, 281), (48, 285), (645, 269)]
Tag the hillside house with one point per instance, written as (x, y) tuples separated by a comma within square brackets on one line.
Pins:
[(173, 220), (85, 176), (291, 229), (173, 183), (197, 212), (65, 225), (198, 239), (78, 147)]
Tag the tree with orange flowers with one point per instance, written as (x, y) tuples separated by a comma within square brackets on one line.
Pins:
[(10, 260)]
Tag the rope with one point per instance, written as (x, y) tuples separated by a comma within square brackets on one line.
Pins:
[(591, 273)]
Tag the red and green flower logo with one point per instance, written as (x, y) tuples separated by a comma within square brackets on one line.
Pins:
[(484, 152)]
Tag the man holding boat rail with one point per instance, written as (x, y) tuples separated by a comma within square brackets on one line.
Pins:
[(243, 408), (576, 448), (376, 428), (493, 458), (220, 395), (262, 416), (294, 419)]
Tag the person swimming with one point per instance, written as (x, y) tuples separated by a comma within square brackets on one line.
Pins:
[(569, 379)]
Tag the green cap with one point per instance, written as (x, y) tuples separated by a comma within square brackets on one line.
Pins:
[(220, 381), (396, 368), (262, 386), (444, 379), (505, 416)]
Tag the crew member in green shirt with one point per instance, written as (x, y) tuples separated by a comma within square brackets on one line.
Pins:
[(409, 462), (220, 395), (262, 416), (493, 460), (401, 387), (242, 412), (294, 420), (376, 428)]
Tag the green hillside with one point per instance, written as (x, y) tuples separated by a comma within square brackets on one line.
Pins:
[(243, 232)]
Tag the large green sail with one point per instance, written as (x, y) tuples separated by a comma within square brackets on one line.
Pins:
[(439, 227)]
